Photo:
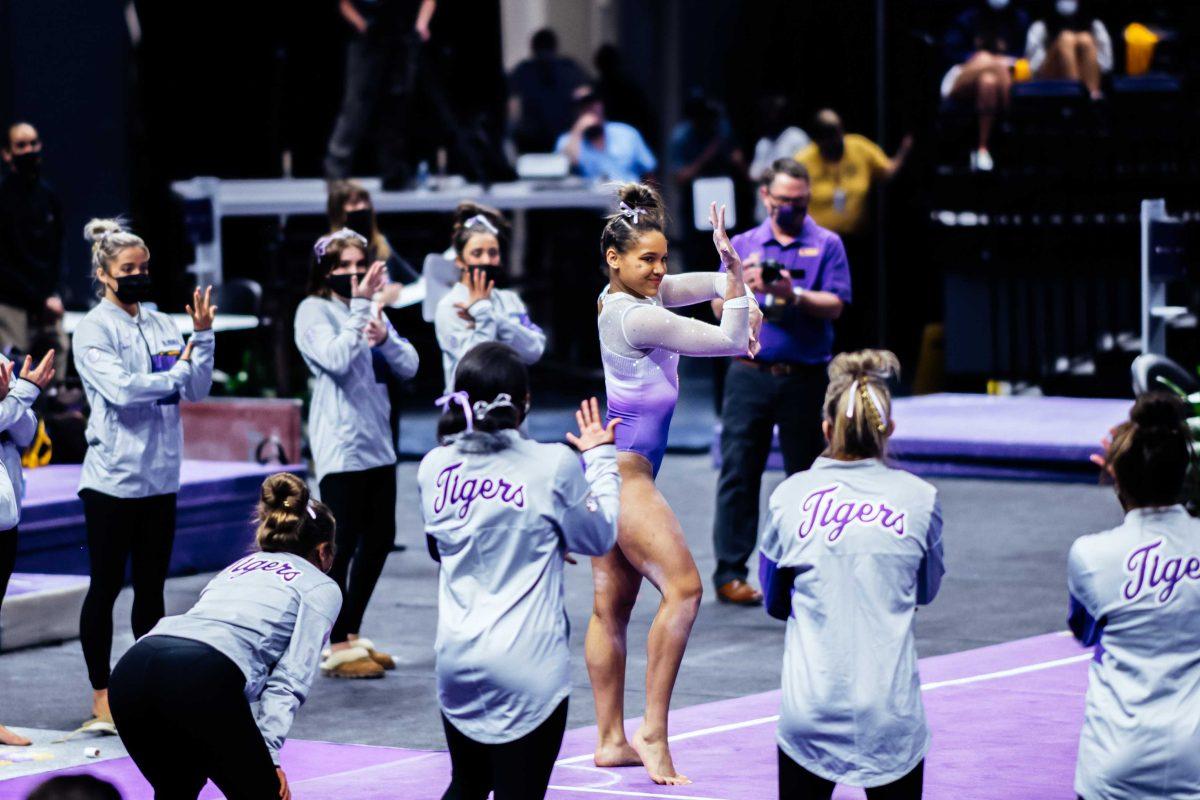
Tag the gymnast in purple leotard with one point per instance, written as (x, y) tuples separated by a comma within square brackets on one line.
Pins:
[(641, 341)]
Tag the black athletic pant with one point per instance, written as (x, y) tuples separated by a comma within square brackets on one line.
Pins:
[(8, 558), (181, 712), (140, 530), (364, 505), (516, 770), (797, 783)]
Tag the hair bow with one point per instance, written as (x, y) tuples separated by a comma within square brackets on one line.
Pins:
[(463, 400), (323, 243), (482, 407), (480, 221), (631, 213)]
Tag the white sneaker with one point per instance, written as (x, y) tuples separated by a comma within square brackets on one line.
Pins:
[(981, 161)]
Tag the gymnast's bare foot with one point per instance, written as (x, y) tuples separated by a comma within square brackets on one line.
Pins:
[(619, 754), (656, 755), (12, 739)]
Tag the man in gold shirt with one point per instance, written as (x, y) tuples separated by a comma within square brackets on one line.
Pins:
[(844, 167)]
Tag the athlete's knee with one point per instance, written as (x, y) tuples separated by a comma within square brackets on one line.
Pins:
[(686, 593)]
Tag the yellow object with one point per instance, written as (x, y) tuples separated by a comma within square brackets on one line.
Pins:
[(840, 189), (1021, 70), (38, 453), (1139, 48)]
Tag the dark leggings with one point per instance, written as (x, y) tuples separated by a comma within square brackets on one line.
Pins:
[(181, 712), (8, 558), (364, 505), (516, 770), (140, 530), (797, 783)]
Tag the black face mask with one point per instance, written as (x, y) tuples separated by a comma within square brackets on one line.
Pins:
[(340, 284), (790, 217), (360, 221), (494, 273), (134, 288), (28, 165)]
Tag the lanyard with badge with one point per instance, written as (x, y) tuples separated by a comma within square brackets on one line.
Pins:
[(839, 192), (161, 362)]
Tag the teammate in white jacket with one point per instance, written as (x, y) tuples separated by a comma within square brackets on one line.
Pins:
[(1135, 597), (851, 548), (502, 512), (475, 311), (135, 370)]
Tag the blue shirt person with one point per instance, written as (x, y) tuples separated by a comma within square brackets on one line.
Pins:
[(601, 149)]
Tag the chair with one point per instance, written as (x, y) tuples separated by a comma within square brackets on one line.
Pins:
[(240, 296), (440, 274)]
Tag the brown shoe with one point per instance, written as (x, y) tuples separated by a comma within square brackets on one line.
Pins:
[(739, 593), (353, 662)]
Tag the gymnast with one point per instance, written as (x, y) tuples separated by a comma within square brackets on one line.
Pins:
[(181, 696), (641, 342)]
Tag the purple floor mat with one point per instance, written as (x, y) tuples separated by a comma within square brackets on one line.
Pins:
[(1005, 722), (216, 499), (980, 436)]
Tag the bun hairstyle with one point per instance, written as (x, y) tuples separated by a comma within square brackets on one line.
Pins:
[(109, 237), (858, 403), (1150, 453), (289, 520), (487, 371), (466, 224), (327, 252), (640, 210)]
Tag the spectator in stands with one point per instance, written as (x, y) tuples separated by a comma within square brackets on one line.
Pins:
[(780, 138), (982, 46), (31, 235), (18, 424), (1070, 43), (623, 95), (702, 144), (784, 384), (844, 168), (380, 62), (539, 94), (599, 148)]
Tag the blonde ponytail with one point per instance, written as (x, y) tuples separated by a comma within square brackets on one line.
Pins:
[(858, 403)]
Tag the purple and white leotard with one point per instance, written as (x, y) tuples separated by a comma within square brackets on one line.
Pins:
[(640, 345)]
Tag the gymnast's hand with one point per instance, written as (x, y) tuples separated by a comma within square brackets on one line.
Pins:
[(376, 330), (478, 288), (202, 309), (285, 791), (592, 432), (756, 321), (729, 256), (40, 376)]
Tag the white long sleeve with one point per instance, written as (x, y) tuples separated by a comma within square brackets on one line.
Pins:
[(690, 288), (329, 348), (589, 502), (647, 327)]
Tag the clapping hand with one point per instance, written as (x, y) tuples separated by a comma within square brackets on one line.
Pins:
[(202, 309), (478, 288), (376, 330), (371, 283), (592, 431), (1101, 459)]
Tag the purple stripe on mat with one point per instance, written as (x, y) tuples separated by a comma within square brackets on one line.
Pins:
[(1009, 729)]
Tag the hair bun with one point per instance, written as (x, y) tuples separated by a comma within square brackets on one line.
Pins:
[(467, 209), (642, 196), (285, 492), (97, 229), (1159, 410)]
